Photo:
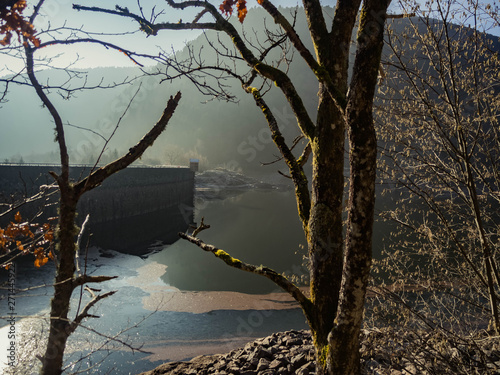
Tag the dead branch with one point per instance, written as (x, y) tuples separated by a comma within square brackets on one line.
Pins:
[(78, 242), (201, 227), (80, 280), (272, 275), (99, 175), (85, 312)]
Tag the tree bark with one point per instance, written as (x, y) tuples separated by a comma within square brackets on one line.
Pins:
[(63, 288), (343, 356), (325, 240)]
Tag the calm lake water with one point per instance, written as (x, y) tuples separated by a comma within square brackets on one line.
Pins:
[(259, 227)]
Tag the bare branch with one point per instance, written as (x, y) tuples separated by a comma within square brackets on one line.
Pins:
[(44, 194), (98, 176), (63, 151), (294, 144), (221, 24), (116, 127), (296, 171), (78, 243), (146, 26), (130, 54), (272, 275), (201, 227), (85, 312), (84, 279)]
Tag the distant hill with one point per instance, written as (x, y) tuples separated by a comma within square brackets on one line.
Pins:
[(233, 135), (230, 135)]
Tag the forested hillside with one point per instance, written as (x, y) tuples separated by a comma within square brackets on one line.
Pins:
[(219, 133)]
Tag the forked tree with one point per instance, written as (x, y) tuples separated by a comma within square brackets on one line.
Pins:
[(67, 279), (340, 255)]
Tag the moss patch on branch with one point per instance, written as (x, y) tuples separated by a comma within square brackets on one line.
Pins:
[(228, 258)]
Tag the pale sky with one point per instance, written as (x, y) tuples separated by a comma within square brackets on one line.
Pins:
[(57, 13)]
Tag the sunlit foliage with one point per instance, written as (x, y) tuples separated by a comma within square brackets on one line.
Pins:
[(12, 21), (28, 238), (241, 7)]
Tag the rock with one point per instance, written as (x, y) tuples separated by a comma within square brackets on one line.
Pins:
[(283, 371), (299, 360), (262, 365), (268, 341), (275, 364), (304, 370), (253, 362)]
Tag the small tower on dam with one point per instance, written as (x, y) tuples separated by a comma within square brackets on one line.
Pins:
[(194, 164)]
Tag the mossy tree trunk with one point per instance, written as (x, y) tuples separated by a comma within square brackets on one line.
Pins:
[(339, 263), (340, 267), (344, 338)]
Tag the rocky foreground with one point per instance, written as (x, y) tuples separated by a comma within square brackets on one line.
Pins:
[(385, 352)]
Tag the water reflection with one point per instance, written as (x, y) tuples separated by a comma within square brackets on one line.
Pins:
[(145, 309), (258, 227)]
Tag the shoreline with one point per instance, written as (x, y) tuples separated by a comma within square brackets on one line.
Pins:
[(202, 302), (163, 297)]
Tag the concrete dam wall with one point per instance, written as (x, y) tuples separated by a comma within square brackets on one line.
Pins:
[(128, 212)]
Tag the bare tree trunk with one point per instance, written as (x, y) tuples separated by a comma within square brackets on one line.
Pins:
[(60, 325), (63, 288)]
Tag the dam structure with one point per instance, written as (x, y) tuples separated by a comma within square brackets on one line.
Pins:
[(130, 211)]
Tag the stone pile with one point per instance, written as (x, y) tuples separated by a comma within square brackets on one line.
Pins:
[(281, 353), (383, 352)]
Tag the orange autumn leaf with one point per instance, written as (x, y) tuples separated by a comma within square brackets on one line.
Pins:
[(227, 7), (242, 10), (49, 236), (41, 259), (241, 6), (12, 20), (27, 238), (19, 245), (38, 252)]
